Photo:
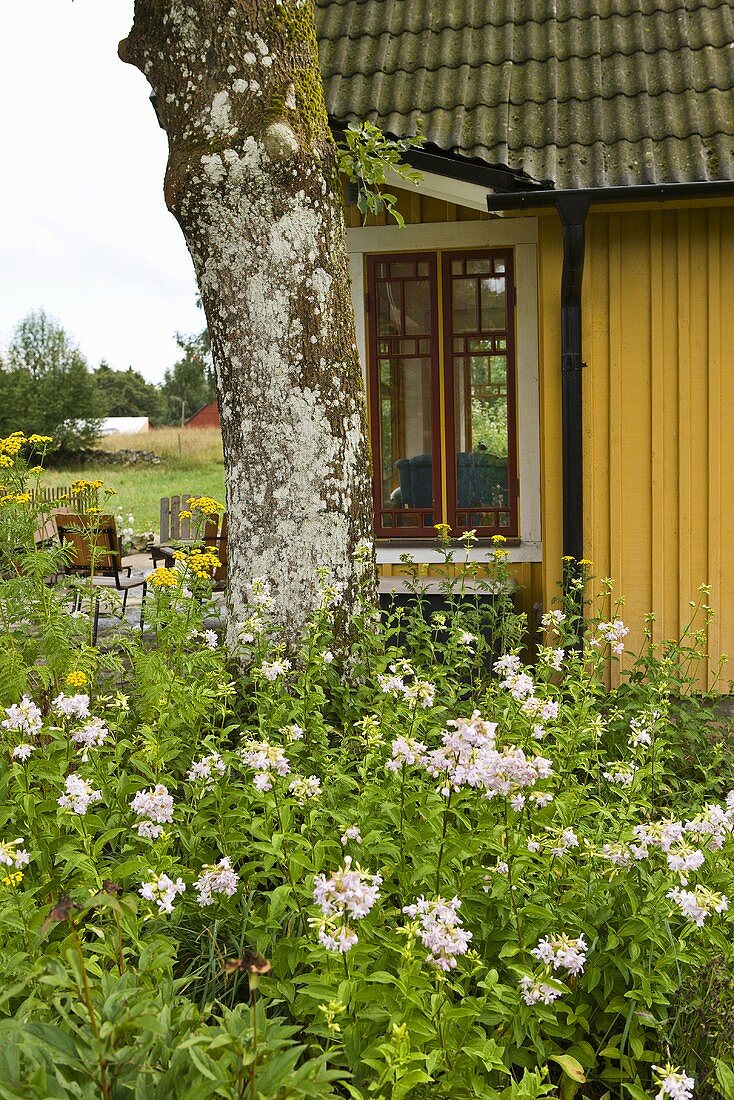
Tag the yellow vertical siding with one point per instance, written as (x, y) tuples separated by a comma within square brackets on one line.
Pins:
[(658, 411)]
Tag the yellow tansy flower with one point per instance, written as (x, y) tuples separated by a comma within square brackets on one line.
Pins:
[(163, 578), (76, 679)]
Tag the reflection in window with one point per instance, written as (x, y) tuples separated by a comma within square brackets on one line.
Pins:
[(481, 431)]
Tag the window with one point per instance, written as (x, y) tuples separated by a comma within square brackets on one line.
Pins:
[(442, 392)]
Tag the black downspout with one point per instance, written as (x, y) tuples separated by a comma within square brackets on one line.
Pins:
[(572, 211)]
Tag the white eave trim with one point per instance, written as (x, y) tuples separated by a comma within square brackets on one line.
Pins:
[(447, 188)]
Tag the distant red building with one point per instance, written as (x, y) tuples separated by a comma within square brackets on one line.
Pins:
[(208, 417)]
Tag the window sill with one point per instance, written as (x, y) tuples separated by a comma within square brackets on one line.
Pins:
[(390, 551)]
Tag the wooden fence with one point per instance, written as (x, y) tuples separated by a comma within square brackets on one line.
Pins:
[(172, 525)]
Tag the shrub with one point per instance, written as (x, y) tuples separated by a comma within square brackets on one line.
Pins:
[(400, 871)]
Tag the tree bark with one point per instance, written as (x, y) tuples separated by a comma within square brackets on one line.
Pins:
[(252, 180)]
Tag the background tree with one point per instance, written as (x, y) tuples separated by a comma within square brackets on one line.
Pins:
[(126, 393), (46, 385), (189, 385), (252, 179)]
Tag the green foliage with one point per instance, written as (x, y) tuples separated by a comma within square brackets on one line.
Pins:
[(46, 386), (118, 982), (367, 157), (126, 393), (189, 385)]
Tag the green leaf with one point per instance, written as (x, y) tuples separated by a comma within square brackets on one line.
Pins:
[(724, 1079), (570, 1066)]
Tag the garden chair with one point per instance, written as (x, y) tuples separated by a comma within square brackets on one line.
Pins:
[(101, 560)]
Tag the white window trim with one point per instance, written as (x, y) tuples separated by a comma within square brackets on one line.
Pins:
[(521, 234)]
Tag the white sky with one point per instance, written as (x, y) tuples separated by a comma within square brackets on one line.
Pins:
[(84, 231)]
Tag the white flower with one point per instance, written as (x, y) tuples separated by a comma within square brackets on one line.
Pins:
[(328, 657), (352, 833), (699, 903), (541, 798), (11, 855), (293, 732), (519, 686), (618, 854), (91, 735), (22, 752), (250, 629), (534, 990), (683, 858), (440, 930), (267, 760), (271, 670), (24, 716), (218, 878), (509, 665), (305, 789), (621, 773), (566, 841), (560, 952), (420, 691), (79, 795), (533, 845), (349, 891), (405, 750), (612, 634), (162, 890), (210, 639), (156, 806), (552, 620), (206, 770), (72, 706), (258, 592), (467, 640), (339, 939), (552, 657), (673, 1082)]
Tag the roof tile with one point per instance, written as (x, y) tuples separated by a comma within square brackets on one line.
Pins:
[(588, 93)]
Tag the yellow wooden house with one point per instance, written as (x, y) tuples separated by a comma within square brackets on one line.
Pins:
[(548, 343)]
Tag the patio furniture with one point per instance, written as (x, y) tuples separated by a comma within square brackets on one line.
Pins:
[(214, 537), (95, 552)]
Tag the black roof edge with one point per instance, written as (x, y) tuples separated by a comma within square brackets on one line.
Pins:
[(431, 158), (641, 192)]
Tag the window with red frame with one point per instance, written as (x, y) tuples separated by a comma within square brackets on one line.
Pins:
[(442, 392)]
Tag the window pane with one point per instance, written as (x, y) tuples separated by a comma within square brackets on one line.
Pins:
[(478, 267), (464, 305), (406, 444), (481, 438), (417, 308), (402, 270), (499, 370), (388, 309), (457, 267), (423, 270), (499, 266), (493, 304)]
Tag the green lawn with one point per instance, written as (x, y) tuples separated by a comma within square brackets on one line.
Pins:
[(192, 463)]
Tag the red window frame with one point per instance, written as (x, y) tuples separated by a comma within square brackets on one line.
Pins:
[(442, 363)]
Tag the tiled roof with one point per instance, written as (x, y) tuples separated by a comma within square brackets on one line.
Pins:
[(587, 93)]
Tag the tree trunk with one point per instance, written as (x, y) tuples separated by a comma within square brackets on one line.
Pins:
[(252, 180)]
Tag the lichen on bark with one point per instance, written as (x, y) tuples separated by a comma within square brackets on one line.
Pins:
[(252, 180)]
